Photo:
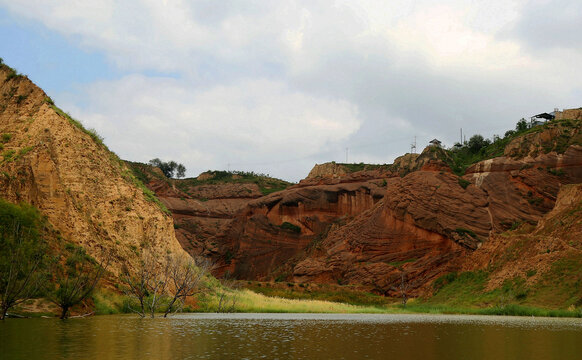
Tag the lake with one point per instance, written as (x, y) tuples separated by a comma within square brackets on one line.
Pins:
[(292, 336)]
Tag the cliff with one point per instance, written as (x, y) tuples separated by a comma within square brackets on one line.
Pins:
[(87, 194), (202, 206), (417, 217)]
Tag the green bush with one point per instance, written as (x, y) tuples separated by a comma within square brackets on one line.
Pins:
[(291, 227), (464, 183)]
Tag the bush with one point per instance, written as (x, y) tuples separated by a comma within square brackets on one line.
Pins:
[(169, 168), (464, 183), (291, 227)]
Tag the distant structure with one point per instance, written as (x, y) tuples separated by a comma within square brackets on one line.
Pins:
[(541, 119), (435, 142), (413, 147)]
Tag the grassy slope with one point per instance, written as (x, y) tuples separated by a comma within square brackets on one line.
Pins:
[(267, 184)]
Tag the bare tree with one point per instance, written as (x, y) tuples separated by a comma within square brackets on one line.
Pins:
[(148, 283), (403, 288), (76, 278), (186, 274), (22, 258)]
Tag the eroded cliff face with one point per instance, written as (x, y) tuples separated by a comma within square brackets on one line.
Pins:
[(370, 227), (202, 206), (274, 232), (88, 195), (430, 218)]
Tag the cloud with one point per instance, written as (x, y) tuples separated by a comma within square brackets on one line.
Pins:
[(252, 123), (544, 26), (253, 83)]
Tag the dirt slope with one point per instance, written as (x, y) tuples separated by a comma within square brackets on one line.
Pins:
[(88, 195)]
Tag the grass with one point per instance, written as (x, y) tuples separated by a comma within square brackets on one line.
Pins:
[(108, 302), (321, 292), (98, 139), (149, 195), (266, 184), (353, 167), (464, 183), (248, 301)]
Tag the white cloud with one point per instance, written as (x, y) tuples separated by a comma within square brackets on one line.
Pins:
[(262, 80), (249, 122)]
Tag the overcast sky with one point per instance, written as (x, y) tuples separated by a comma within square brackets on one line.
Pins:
[(277, 86)]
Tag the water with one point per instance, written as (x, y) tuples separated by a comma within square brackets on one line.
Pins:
[(292, 336)]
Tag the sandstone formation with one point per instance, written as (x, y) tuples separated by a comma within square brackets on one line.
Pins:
[(370, 227), (202, 206), (88, 195)]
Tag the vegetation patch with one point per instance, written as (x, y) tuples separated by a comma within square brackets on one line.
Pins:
[(400, 263), (464, 183), (98, 139), (266, 184), (290, 227), (466, 232)]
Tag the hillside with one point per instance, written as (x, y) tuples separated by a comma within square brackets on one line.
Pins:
[(87, 194), (533, 265), (368, 225), (201, 206)]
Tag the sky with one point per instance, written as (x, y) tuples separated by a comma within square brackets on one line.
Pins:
[(275, 87)]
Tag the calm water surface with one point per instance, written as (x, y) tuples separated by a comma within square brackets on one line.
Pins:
[(292, 336)]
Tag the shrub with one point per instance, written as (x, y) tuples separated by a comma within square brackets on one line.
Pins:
[(464, 183), (291, 227)]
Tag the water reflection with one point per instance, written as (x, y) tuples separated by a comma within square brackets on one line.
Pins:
[(292, 336)]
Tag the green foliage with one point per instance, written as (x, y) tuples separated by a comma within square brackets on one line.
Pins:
[(169, 168), (477, 142), (291, 227), (149, 195), (12, 74), (21, 98), (266, 184), (479, 148), (5, 138), (353, 167), (75, 278), (400, 263), (22, 254), (8, 155), (464, 232), (343, 294), (521, 125), (464, 183), (444, 280), (91, 132), (556, 172)]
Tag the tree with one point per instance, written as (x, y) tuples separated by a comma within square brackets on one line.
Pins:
[(169, 168), (186, 274), (147, 284), (22, 255), (509, 133), (227, 296), (521, 125), (180, 171), (403, 287), (76, 278), (476, 143)]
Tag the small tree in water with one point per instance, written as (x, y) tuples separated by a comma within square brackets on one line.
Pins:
[(76, 278), (22, 255)]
